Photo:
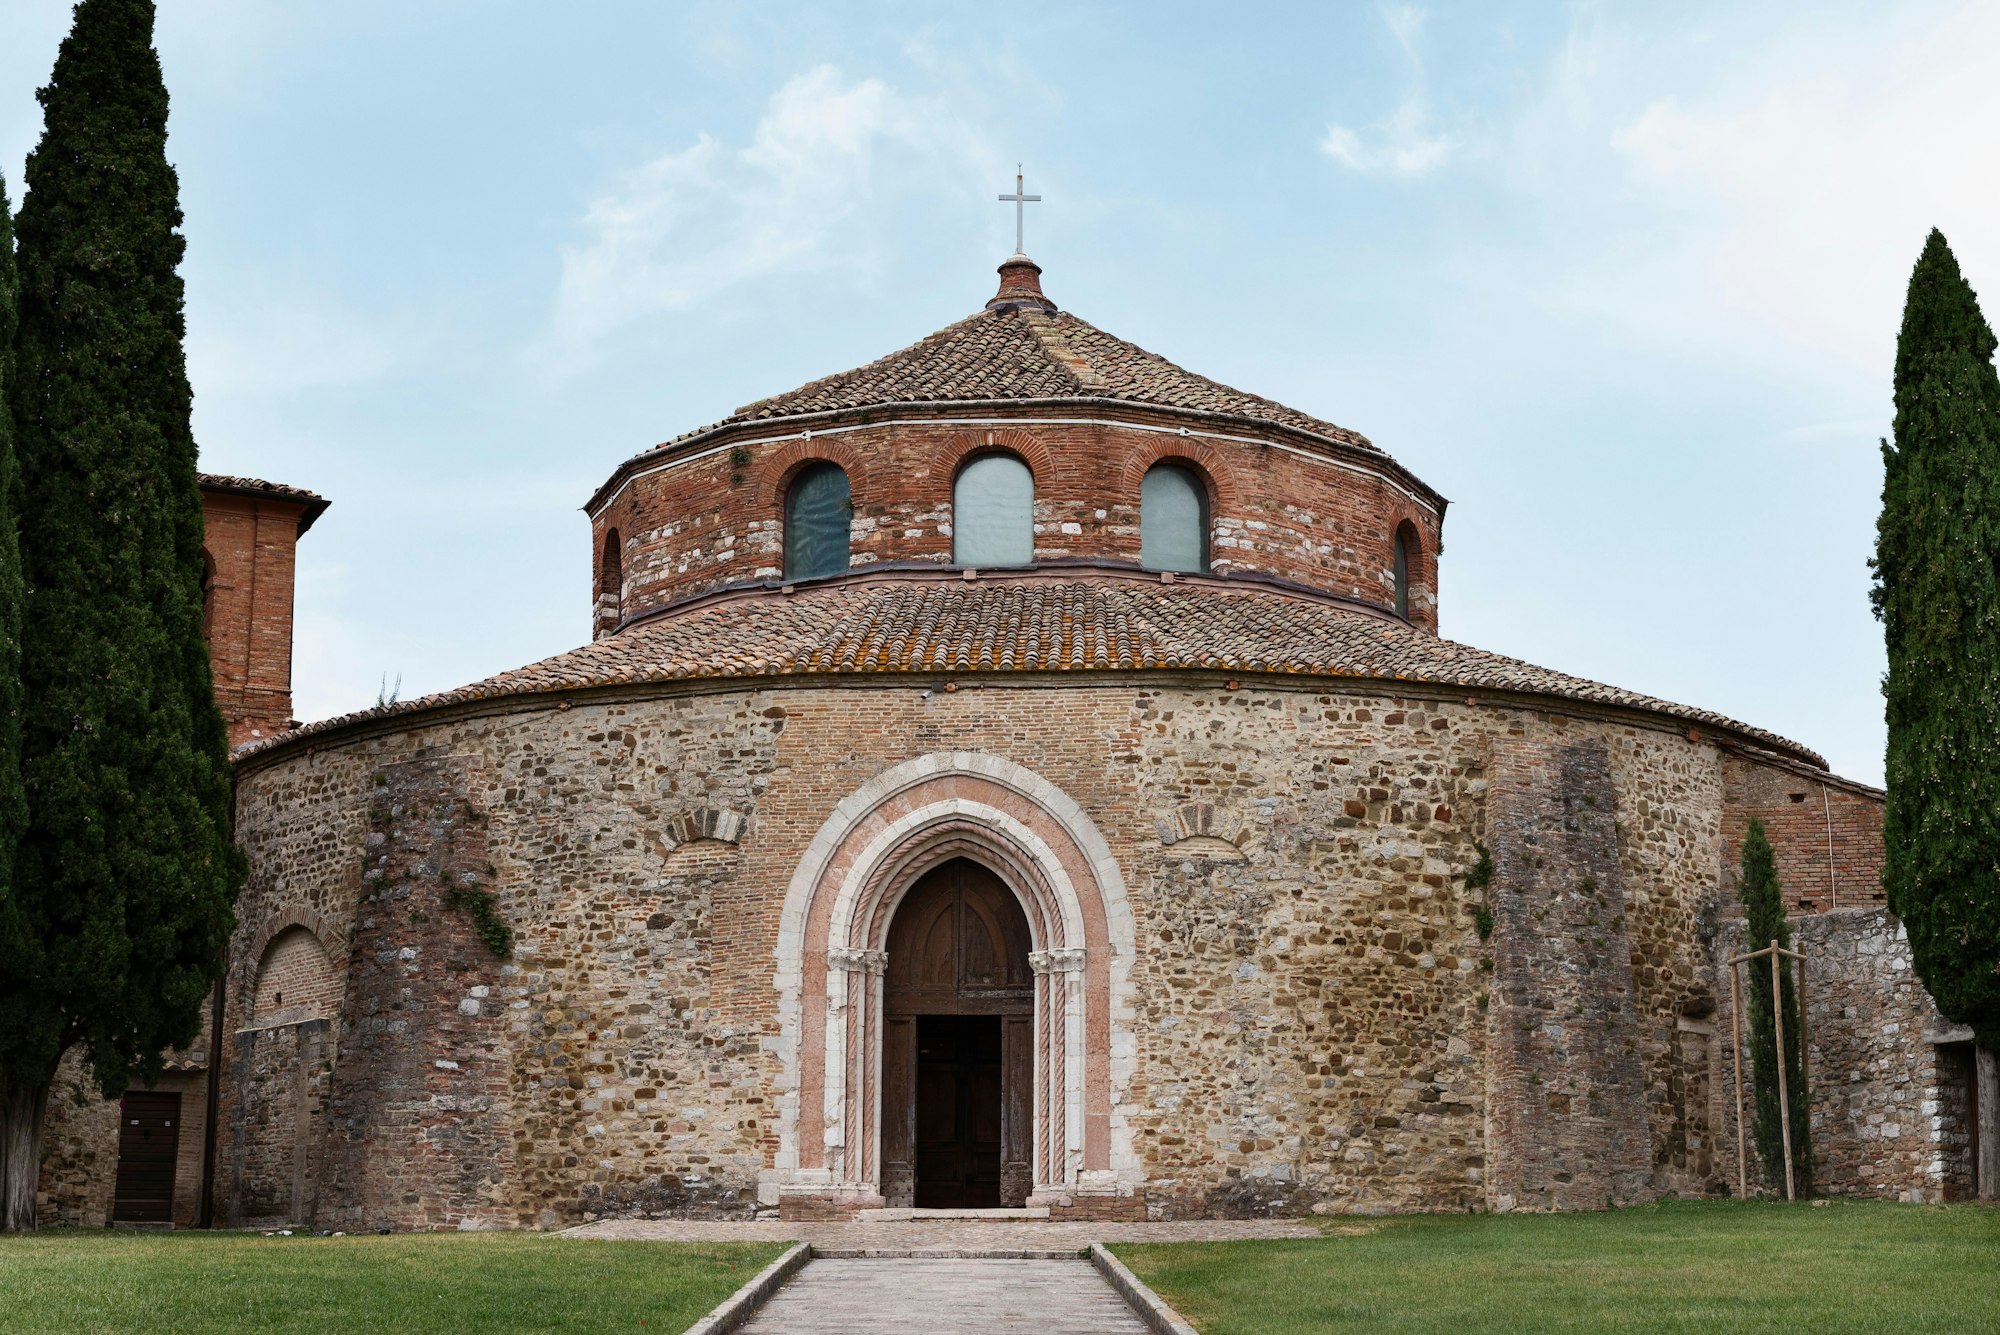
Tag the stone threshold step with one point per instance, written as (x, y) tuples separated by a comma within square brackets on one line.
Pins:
[(820, 1253), (906, 1216)]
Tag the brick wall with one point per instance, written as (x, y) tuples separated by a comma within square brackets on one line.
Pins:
[(1825, 832), (251, 543), (295, 980), (714, 518), (1565, 1083)]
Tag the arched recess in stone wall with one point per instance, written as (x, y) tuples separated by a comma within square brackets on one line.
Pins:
[(832, 953), (296, 980)]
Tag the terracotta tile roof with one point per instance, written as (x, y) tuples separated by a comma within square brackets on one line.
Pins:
[(1016, 353), (1029, 624), (314, 503)]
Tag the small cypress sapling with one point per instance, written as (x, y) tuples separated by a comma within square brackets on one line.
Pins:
[(1765, 922)]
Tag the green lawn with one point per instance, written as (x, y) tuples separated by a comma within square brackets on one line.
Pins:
[(74, 1281), (1721, 1266)]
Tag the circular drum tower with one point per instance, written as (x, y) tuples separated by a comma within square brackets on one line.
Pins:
[(1015, 773)]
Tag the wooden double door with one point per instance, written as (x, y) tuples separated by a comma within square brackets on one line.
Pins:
[(958, 1045)]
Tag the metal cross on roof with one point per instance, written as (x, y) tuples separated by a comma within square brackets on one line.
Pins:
[(1020, 201)]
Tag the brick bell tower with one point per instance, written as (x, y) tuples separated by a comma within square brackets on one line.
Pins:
[(252, 530)]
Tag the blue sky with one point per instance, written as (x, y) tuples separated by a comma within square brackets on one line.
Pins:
[(1622, 282)]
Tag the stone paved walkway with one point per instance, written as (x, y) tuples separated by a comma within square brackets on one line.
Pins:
[(945, 1297)]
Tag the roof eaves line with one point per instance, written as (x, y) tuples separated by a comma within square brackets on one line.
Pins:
[(311, 504), (1368, 461), (425, 711)]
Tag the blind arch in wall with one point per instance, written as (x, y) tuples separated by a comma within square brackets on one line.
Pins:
[(295, 980), (993, 513), (819, 514), (1173, 520)]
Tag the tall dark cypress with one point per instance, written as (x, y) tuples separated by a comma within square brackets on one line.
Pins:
[(15, 1140), (1765, 922), (1937, 591), (125, 874)]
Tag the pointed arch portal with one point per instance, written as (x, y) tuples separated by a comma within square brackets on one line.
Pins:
[(954, 886)]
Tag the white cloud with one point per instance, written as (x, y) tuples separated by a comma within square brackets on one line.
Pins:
[(1790, 196), (1407, 142), (691, 223)]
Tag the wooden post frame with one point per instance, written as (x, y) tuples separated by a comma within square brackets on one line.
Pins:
[(1774, 951)]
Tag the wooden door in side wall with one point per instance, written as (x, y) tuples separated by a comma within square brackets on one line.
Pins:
[(149, 1132), (958, 1049)]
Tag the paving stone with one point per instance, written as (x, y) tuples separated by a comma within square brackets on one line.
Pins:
[(942, 1297)]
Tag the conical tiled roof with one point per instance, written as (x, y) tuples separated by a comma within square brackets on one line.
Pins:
[(1030, 350)]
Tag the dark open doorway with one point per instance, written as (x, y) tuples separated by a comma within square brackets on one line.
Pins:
[(958, 1045), (958, 1112)]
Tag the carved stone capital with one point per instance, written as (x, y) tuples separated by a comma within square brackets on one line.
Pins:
[(849, 960), (1063, 959)]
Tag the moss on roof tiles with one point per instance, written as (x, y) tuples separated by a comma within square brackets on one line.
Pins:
[(1034, 625)]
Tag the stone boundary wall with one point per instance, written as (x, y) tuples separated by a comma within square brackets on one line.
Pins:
[(1885, 1122)]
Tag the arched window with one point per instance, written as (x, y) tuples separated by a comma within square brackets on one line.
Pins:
[(207, 596), (819, 516), (993, 513), (1173, 520), (610, 581), (1405, 552)]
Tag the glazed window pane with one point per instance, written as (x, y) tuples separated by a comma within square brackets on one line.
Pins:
[(993, 513), (1173, 521), (817, 521), (1402, 575)]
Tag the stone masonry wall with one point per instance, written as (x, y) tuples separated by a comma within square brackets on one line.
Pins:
[(79, 1174), (1308, 987), (1880, 1123), (1565, 1077), (418, 1122)]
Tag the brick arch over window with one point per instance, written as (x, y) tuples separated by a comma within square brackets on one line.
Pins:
[(780, 464), (961, 449), (832, 953), (1199, 458)]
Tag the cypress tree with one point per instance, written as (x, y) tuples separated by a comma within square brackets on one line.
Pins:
[(125, 873), (1937, 592), (14, 1138), (1765, 922)]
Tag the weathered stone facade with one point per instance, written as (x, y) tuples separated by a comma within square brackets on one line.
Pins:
[(1317, 1024), (1891, 1081), (1324, 913)]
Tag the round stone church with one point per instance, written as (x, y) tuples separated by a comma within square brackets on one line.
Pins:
[(1016, 774)]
